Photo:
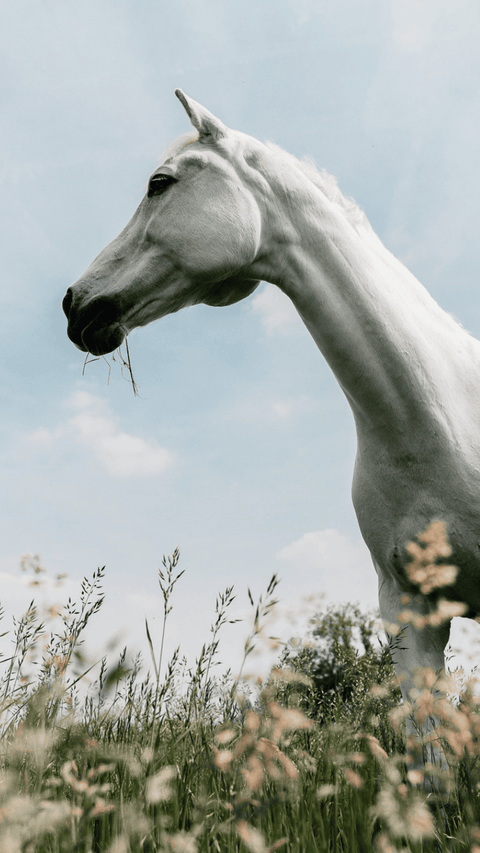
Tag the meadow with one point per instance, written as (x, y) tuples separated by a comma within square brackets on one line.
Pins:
[(179, 758)]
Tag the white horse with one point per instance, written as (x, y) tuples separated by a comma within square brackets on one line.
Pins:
[(224, 212)]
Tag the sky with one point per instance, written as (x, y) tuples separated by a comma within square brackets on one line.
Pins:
[(240, 446)]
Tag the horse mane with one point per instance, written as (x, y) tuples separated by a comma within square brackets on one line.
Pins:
[(328, 185)]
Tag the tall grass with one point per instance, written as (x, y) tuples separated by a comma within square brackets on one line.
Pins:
[(185, 761)]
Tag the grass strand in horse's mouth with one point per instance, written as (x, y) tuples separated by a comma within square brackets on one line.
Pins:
[(125, 365)]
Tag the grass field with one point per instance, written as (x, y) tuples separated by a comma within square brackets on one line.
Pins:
[(183, 760)]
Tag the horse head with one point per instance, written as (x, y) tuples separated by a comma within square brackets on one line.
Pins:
[(192, 239)]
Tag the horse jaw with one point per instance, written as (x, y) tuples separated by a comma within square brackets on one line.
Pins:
[(229, 291)]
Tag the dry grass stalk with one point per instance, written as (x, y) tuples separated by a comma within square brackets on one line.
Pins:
[(125, 365)]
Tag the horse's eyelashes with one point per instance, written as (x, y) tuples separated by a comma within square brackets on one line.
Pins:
[(158, 184)]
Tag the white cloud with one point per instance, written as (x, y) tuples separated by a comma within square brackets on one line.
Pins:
[(283, 408), (122, 454), (276, 311), (335, 563)]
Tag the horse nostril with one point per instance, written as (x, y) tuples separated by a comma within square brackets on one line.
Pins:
[(67, 301)]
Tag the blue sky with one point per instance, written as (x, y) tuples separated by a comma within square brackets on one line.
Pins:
[(240, 447)]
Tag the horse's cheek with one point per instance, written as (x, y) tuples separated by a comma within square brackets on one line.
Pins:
[(222, 240)]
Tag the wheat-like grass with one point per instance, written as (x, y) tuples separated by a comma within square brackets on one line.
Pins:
[(185, 761)]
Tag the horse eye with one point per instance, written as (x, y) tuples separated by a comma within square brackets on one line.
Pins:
[(158, 184)]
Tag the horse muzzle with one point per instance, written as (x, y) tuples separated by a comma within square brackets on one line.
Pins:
[(93, 324)]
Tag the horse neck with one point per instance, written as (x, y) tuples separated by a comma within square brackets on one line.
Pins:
[(382, 334)]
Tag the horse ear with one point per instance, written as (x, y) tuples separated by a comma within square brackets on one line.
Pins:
[(209, 127)]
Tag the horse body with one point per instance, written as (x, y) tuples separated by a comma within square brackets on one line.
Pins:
[(224, 212)]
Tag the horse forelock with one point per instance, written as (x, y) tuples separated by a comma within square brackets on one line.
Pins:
[(178, 144)]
